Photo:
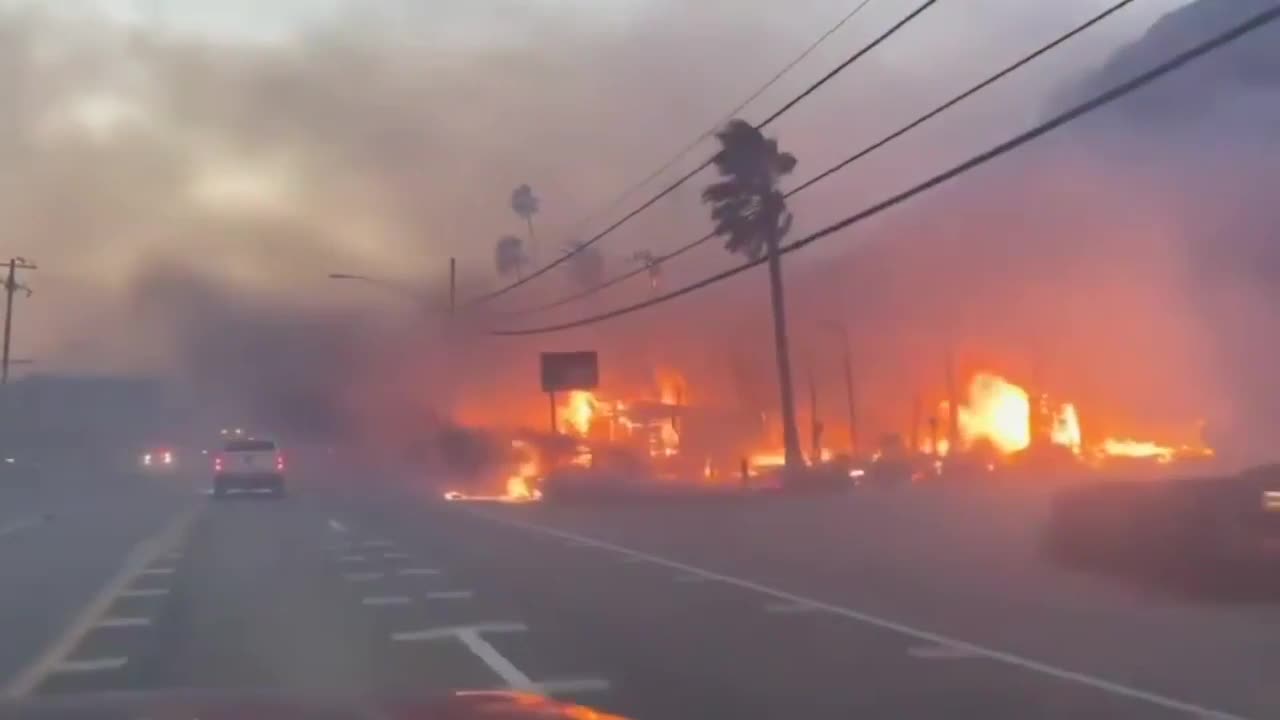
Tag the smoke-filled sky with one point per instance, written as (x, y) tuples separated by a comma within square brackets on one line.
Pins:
[(177, 166)]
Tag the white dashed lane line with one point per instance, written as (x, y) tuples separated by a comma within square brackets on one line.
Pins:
[(57, 657), (362, 576), (932, 638), (472, 637), (377, 543), (395, 556), (417, 571), (336, 526), (351, 558), (386, 600), (450, 595)]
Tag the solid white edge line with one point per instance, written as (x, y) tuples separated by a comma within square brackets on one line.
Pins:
[(940, 652), (122, 622), (790, 608), (900, 628), (144, 592), (54, 656)]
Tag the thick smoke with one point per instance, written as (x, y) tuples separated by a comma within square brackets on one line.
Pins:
[(187, 197)]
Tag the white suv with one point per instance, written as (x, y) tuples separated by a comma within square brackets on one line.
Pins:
[(249, 464)]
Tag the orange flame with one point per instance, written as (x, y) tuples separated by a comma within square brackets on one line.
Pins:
[(998, 411), (1136, 449), (1066, 428), (578, 413)]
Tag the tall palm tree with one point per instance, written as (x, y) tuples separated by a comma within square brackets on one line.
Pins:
[(751, 213), (525, 204), (509, 257)]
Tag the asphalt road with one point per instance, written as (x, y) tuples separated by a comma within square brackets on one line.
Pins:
[(908, 605)]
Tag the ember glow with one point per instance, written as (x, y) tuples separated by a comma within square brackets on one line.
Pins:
[(1136, 449)]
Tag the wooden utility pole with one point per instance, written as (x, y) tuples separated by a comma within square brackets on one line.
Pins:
[(848, 393), (453, 285), (10, 287)]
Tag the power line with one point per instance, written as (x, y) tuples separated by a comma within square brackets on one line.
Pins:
[(984, 84), (1255, 22), (737, 109), (706, 163)]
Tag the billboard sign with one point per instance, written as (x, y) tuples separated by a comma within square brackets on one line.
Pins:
[(570, 371)]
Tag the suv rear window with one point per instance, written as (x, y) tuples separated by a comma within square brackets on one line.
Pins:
[(250, 446)]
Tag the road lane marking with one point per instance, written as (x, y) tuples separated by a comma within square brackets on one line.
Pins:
[(351, 558), (54, 658), (941, 652), (336, 526), (377, 543), (692, 578), (417, 571), (90, 665), (791, 608), (157, 571), (630, 560), (928, 636), (444, 633), (120, 622), (362, 576), (450, 595), (22, 525), (395, 556), (471, 636), (144, 592), (385, 600)]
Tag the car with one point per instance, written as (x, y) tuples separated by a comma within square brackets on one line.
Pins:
[(158, 460), (249, 464)]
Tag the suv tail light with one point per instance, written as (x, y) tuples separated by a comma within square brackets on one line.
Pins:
[(217, 464), (279, 462)]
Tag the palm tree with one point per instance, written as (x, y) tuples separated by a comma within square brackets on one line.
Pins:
[(652, 264), (509, 256), (525, 204), (751, 214), (586, 265)]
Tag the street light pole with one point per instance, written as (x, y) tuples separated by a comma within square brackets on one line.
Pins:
[(453, 285), (10, 287)]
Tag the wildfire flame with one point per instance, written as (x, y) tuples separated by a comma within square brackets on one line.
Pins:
[(1136, 449), (1066, 429), (578, 413), (998, 411)]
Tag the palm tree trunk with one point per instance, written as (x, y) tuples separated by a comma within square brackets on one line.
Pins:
[(790, 437), (533, 240)]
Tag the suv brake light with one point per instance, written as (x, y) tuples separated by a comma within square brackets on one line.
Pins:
[(217, 463), (279, 462)]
